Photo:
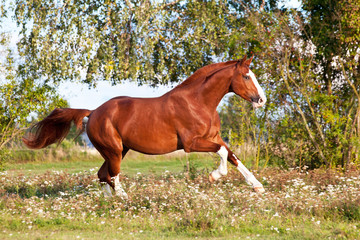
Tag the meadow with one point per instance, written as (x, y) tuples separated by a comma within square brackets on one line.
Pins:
[(170, 198)]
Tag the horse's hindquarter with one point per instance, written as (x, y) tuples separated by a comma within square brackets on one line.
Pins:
[(145, 125)]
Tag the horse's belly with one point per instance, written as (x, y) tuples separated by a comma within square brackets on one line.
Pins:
[(145, 125), (155, 137), (147, 144)]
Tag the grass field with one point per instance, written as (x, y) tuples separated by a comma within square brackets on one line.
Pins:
[(132, 164), (170, 198)]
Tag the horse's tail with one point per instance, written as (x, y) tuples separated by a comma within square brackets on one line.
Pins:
[(55, 127)]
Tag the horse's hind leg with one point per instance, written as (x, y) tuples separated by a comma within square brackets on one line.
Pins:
[(119, 191), (110, 170), (105, 179)]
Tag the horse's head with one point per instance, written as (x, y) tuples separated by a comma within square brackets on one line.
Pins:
[(245, 85)]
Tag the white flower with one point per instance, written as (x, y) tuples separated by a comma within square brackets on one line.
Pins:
[(276, 215), (275, 229)]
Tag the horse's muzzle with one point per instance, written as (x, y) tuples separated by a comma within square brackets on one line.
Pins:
[(258, 101)]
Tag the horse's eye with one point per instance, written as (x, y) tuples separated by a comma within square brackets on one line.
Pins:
[(247, 77)]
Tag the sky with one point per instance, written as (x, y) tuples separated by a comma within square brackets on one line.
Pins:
[(80, 96)]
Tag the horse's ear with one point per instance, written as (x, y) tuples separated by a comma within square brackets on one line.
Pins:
[(248, 61), (241, 61)]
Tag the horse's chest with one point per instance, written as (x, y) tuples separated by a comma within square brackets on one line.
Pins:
[(207, 126)]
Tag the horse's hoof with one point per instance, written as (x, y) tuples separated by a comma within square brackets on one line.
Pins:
[(106, 190), (259, 189), (119, 192), (123, 195), (211, 178)]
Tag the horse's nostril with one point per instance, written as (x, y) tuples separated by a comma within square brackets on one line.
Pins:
[(256, 99), (261, 100)]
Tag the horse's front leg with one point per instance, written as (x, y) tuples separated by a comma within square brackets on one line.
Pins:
[(199, 144), (222, 169), (249, 177), (219, 147), (227, 155)]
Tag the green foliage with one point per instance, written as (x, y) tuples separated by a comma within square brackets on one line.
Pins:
[(154, 42), (5, 156), (21, 99), (312, 116)]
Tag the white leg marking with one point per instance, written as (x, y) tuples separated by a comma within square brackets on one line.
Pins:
[(106, 189), (249, 177), (119, 191), (222, 170)]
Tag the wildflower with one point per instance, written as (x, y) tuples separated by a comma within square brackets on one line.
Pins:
[(276, 215), (275, 229)]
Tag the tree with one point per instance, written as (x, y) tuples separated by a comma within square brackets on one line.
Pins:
[(312, 116), (334, 29), (20, 99), (154, 42)]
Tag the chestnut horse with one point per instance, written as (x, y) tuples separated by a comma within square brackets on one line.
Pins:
[(184, 118)]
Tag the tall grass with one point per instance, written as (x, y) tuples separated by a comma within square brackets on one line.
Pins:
[(170, 198), (297, 205)]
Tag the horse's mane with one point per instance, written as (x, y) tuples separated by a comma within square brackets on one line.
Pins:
[(203, 72)]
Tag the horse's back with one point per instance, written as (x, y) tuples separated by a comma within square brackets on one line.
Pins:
[(142, 124)]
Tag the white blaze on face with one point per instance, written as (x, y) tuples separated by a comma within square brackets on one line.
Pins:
[(262, 100)]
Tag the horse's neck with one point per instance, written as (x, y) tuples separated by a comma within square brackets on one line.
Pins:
[(207, 91), (210, 91), (214, 88)]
